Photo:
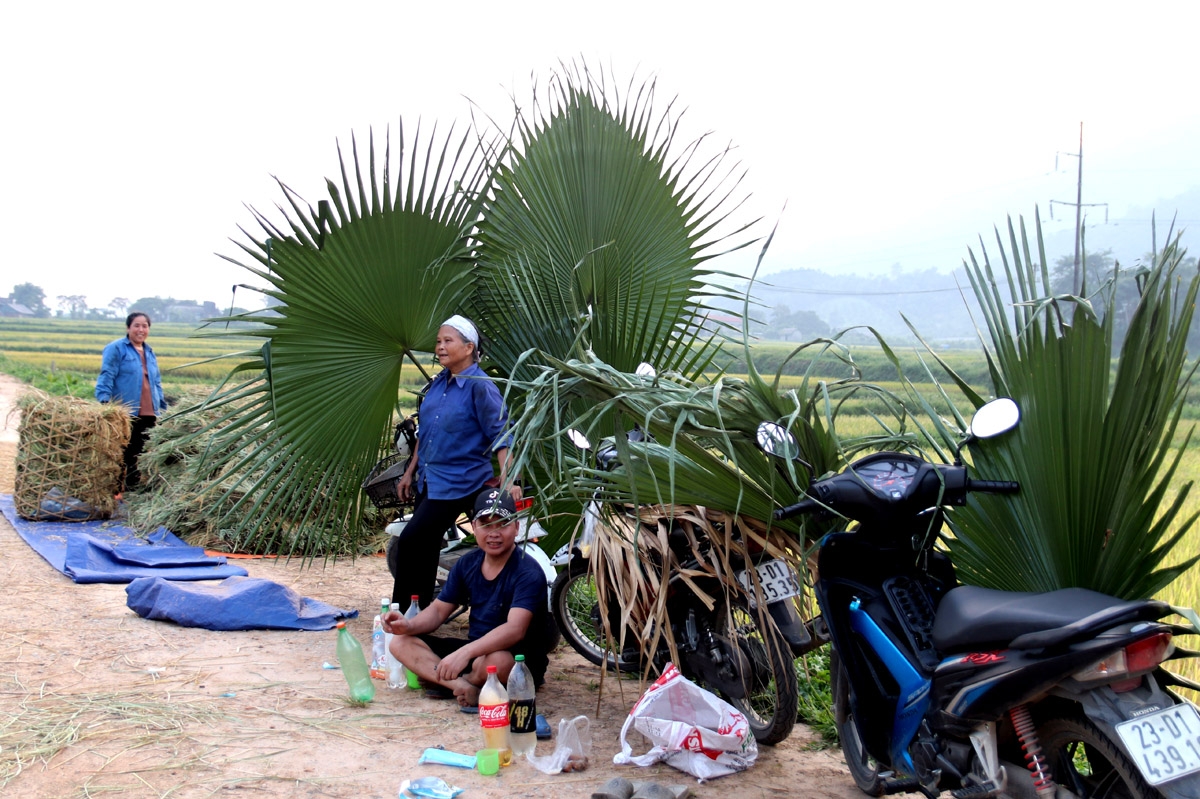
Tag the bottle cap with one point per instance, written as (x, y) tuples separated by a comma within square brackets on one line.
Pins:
[(519, 658), (416, 596), (491, 669), (341, 624)]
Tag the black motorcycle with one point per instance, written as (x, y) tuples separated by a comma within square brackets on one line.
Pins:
[(939, 686)]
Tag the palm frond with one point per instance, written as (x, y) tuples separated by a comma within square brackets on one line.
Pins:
[(599, 220), (1093, 451), (360, 284)]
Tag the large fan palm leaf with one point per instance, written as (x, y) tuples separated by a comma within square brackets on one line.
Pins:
[(589, 224), (360, 283), (1094, 451)]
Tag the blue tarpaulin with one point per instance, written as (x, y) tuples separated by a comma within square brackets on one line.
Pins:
[(110, 552), (236, 603)]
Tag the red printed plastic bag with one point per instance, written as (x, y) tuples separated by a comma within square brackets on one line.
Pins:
[(690, 728)]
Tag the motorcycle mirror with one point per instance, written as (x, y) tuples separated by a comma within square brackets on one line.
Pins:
[(578, 439), (645, 370), (774, 439), (996, 417)]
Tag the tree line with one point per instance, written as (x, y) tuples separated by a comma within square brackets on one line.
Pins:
[(75, 306)]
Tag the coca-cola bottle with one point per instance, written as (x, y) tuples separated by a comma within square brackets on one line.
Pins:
[(493, 716), (522, 709)]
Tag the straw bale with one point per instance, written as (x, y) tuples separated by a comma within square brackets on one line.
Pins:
[(69, 448)]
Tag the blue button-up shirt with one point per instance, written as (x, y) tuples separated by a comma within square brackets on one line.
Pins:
[(463, 421)]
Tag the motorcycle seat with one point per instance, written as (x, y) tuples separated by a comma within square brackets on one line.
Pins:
[(970, 618)]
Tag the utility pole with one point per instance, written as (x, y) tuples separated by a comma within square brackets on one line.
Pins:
[(1077, 281)]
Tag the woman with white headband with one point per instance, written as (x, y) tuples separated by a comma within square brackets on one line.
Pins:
[(463, 421)]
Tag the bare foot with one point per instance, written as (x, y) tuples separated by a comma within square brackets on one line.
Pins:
[(466, 693)]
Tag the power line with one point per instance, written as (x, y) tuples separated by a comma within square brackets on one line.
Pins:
[(839, 292), (1079, 206)]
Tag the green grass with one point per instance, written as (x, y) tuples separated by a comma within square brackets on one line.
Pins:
[(815, 695)]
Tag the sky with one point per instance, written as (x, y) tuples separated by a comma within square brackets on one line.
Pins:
[(136, 135)]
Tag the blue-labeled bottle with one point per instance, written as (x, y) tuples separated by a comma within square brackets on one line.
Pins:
[(354, 665), (414, 607), (378, 644)]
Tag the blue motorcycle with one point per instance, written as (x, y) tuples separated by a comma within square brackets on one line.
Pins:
[(983, 693)]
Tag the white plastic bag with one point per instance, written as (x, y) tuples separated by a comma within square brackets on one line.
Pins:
[(571, 748), (690, 728)]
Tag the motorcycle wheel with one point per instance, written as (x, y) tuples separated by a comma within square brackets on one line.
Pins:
[(1083, 760), (862, 766), (576, 610), (771, 700)]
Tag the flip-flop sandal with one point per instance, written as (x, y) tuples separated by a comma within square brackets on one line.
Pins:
[(472, 709)]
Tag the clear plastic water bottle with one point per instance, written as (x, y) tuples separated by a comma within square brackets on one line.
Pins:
[(354, 665), (395, 672), (522, 708), (378, 644), (414, 608)]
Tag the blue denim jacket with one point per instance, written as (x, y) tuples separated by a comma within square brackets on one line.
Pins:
[(120, 377)]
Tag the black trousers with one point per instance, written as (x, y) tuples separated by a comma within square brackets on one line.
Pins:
[(130, 476), (413, 557)]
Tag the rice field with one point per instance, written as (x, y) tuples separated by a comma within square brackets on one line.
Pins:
[(184, 353), (189, 357)]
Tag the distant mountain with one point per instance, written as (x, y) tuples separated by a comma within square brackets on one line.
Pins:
[(940, 304), (935, 302)]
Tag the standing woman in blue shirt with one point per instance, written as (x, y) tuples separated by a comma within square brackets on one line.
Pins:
[(129, 375), (463, 421)]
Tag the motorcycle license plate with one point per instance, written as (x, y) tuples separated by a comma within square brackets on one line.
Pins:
[(777, 581), (1165, 744)]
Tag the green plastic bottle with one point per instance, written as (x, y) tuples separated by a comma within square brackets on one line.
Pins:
[(354, 665)]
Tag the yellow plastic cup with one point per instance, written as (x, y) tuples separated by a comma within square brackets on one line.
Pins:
[(487, 761)]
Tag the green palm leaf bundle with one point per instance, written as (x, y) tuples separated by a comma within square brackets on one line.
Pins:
[(1093, 452), (699, 471), (698, 432), (359, 284)]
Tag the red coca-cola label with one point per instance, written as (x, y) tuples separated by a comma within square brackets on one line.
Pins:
[(493, 715)]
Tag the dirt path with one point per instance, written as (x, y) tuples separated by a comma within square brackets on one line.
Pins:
[(94, 699)]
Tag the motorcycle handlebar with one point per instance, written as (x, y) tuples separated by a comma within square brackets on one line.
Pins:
[(803, 506), (811, 505), (994, 486)]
